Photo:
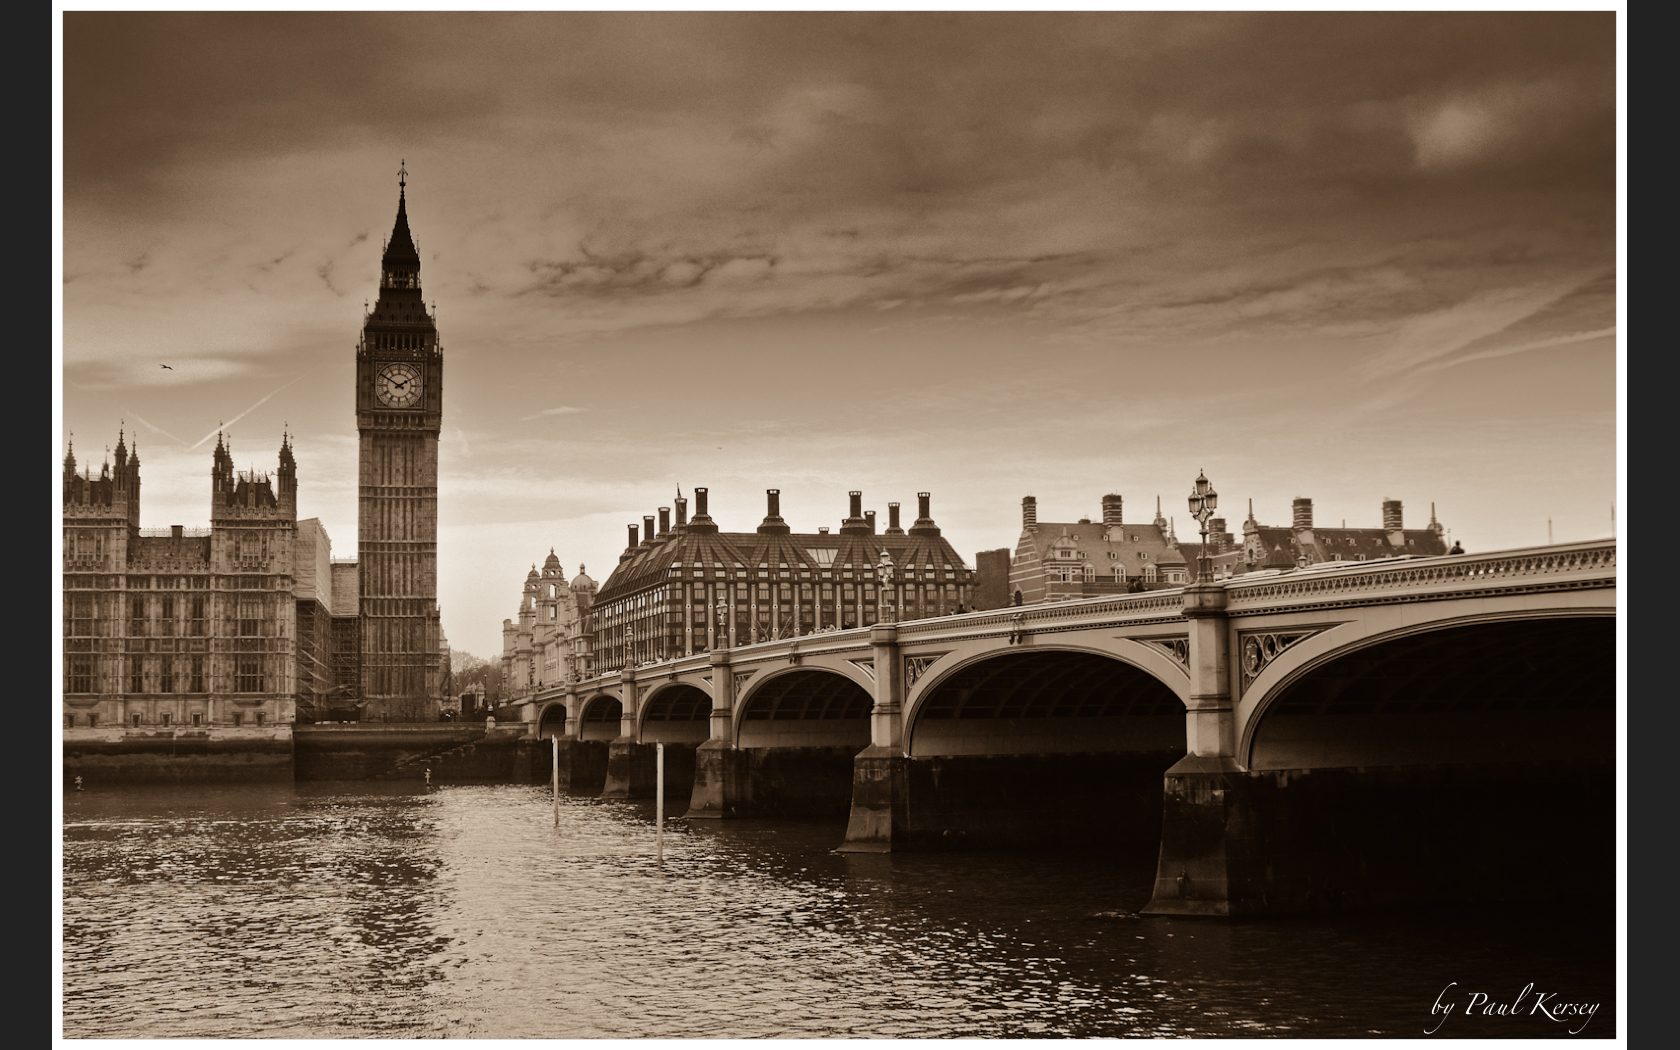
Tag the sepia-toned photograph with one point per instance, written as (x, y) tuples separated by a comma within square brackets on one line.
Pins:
[(849, 525)]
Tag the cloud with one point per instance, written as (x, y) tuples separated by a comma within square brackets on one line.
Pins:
[(558, 410), (1439, 334)]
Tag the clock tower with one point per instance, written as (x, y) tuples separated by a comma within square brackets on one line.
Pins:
[(399, 411)]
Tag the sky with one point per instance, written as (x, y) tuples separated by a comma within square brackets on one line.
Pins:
[(1346, 256)]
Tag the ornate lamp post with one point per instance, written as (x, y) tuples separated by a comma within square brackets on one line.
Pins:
[(1203, 501), (884, 574)]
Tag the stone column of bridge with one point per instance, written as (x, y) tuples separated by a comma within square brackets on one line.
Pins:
[(574, 713), (718, 782), (1194, 869), (630, 763), (879, 773)]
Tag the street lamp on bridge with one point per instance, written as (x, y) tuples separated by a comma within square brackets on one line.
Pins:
[(1203, 501), (884, 576), (722, 621)]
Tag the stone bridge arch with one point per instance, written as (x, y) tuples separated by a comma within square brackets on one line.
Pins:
[(1129, 663), (1487, 686), (551, 718), (805, 705), (600, 716), (675, 712)]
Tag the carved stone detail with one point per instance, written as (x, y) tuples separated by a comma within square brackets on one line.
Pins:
[(866, 666), (914, 666), (1257, 649), (1177, 646)]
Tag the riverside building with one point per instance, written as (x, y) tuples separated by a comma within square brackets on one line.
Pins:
[(233, 625), (553, 640), (685, 586)]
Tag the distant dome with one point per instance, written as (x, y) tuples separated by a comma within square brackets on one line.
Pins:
[(582, 581), (1172, 556), (532, 574), (551, 564)]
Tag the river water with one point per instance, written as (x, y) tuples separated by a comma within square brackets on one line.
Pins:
[(350, 910)]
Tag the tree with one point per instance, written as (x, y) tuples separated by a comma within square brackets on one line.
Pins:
[(470, 671)]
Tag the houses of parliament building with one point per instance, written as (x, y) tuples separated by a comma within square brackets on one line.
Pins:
[(252, 621)]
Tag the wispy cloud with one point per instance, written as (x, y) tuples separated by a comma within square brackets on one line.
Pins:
[(1521, 348), (558, 410), (1431, 337)]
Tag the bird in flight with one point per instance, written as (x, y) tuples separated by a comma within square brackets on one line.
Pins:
[(170, 367)]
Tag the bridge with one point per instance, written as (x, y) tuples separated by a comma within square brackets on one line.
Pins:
[(1355, 733)]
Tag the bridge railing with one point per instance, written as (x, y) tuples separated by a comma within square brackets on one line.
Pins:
[(1592, 561)]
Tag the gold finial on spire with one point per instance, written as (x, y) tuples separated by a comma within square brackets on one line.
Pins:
[(402, 176)]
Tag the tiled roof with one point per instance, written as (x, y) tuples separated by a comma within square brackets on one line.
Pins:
[(651, 563)]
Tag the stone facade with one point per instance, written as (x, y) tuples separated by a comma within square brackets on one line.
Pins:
[(553, 640), (399, 412), (1060, 561), (200, 627)]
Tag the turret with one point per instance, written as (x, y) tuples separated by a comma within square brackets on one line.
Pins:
[(1159, 522), (287, 476)]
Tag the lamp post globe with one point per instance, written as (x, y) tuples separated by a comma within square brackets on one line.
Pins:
[(884, 575), (1203, 501)]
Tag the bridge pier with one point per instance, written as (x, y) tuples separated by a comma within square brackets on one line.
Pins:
[(1265, 842), (717, 788), (879, 817)]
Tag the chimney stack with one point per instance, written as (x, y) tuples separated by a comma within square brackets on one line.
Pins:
[(869, 516), (647, 528), (1111, 504), (1303, 513), (893, 528), (773, 522), (855, 523), (1029, 513), (632, 545), (701, 522), (1391, 515), (664, 521), (1216, 534), (682, 511), (924, 525)]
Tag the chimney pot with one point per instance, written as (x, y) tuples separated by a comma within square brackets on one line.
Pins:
[(682, 511), (632, 535), (647, 528), (892, 515), (857, 503), (1029, 512), (1303, 513), (1391, 516), (772, 503), (922, 505), (869, 516), (700, 502), (664, 520)]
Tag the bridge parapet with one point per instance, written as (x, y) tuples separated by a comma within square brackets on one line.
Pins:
[(1558, 567)]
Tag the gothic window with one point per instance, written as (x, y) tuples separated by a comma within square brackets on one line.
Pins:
[(136, 674), (81, 615), (250, 610), (168, 617), (80, 678), (166, 675), (137, 618), (197, 683), (248, 677)]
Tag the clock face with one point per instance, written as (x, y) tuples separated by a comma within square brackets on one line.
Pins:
[(398, 386)]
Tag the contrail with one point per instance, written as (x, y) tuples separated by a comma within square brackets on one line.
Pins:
[(223, 426), (151, 426)]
